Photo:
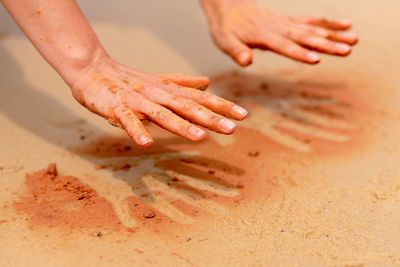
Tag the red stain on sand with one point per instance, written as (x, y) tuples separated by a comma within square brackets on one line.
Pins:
[(148, 216), (236, 168), (54, 200), (249, 167), (138, 251), (252, 166), (299, 97)]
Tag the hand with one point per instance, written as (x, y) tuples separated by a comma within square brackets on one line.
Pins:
[(239, 25), (124, 97)]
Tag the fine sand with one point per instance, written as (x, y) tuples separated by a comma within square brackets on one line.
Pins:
[(311, 178)]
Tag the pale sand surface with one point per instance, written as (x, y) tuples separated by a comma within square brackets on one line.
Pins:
[(311, 178)]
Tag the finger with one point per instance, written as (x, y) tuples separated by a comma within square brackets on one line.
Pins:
[(326, 23), (200, 83), (195, 112), (343, 37), (323, 45), (286, 47), (140, 116), (212, 102), (236, 49), (133, 126), (165, 118)]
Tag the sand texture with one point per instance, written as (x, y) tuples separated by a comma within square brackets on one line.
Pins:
[(311, 178)]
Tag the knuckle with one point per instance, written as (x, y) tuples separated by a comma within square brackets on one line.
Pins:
[(323, 32), (190, 106), (291, 48), (218, 102), (161, 113), (310, 39), (203, 96), (286, 45), (183, 126), (138, 102), (215, 119), (333, 35), (174, 98), (332, 47), (220, 38), (324, 20)]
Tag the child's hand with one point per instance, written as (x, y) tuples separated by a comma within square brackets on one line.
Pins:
[(124, 96), (238, 25)]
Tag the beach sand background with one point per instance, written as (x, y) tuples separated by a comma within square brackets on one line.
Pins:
[(311, 178)]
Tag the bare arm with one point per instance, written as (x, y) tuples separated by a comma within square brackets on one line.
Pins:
[(239, 25), (60, 33), (123, 96)]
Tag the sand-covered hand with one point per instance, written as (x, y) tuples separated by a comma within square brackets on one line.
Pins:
[(239, 25), (124, 96)]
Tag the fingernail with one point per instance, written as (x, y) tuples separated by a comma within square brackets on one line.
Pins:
[(227, 124), (343, 48), (196, 132), (239, 110), (345, 21), (349, 34), (313, 57), (244, 58), (350, 37), (144, 140)]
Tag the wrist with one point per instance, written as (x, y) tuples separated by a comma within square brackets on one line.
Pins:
[(219, 5), (76, 65), (218, 10)]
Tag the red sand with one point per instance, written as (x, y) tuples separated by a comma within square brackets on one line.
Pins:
[(250, 165), (54, 200)]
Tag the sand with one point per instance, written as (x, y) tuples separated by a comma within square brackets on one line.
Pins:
[(311, 178)]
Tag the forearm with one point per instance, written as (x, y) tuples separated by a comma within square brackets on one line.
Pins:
[(59, 31), (123, 96), (216, 7)]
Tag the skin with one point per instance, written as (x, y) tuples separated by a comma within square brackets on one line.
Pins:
[(178, 103), (239, 25), (123, 96)]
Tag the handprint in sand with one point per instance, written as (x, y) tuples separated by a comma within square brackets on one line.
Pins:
[(291, 109), (174, 181), (177, 182)]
